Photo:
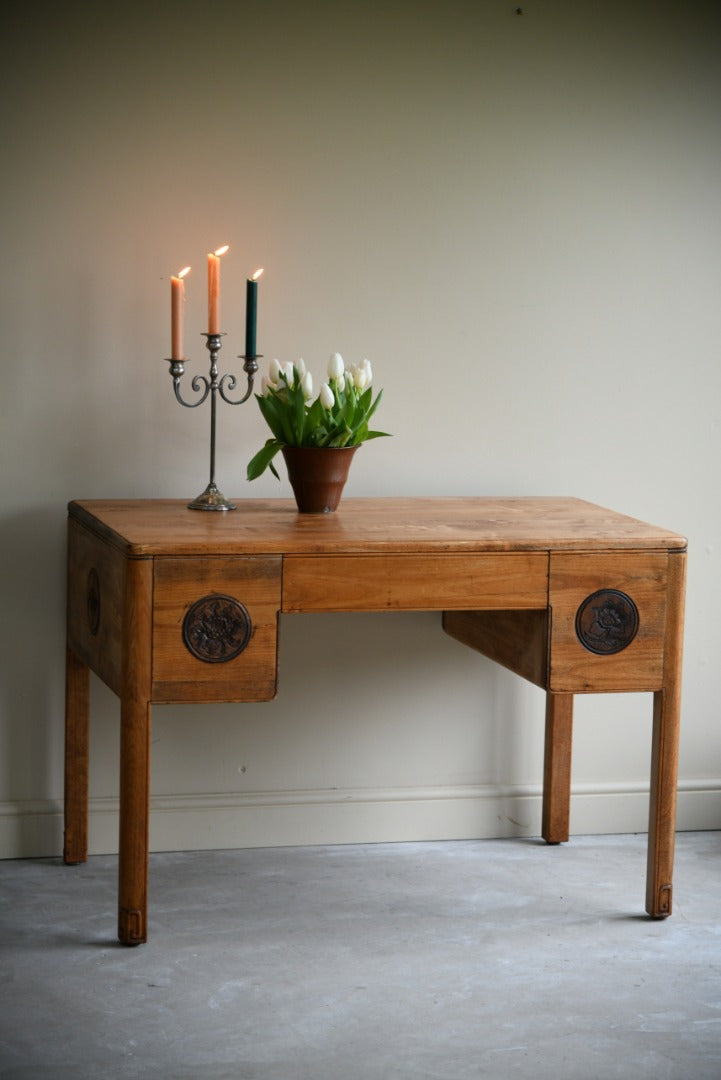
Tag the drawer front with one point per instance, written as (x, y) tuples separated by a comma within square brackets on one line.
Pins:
[(388, 582), (608, 615), (215, 629)]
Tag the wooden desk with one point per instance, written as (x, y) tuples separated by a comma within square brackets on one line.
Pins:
[(166, 604)]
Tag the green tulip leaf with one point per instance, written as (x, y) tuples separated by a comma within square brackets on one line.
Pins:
[(264, 458)]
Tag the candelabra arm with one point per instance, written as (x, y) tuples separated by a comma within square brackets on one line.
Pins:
[(250, 368), (200, 384)]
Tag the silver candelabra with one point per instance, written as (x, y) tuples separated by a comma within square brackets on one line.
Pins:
[(212, 385)]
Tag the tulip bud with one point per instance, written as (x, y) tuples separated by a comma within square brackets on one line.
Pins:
[(336, 366), (266, 385), (274, 371), (327, 398), (366, 365), (360, 377), (307, 386), (287, 372), (300, 367)]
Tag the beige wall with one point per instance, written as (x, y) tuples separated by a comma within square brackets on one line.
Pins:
[(516, 218)]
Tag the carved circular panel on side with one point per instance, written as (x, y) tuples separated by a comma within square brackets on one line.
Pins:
[(607, 622), (216, 628), (93, 601)]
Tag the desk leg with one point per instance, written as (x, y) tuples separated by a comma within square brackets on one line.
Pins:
[(77, 758), (135, 754), (662, 811), (134, 822), (664, 751), (557, 768)]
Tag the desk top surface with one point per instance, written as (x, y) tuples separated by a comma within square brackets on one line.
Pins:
[(148, 527)]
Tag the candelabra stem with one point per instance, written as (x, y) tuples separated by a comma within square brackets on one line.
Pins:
[(213, 408), (212, 498)]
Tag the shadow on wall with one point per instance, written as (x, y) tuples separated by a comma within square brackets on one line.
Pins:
[(387, 697), (32, 580)]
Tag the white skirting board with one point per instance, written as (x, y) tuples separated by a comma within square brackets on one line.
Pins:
[(360, 816)]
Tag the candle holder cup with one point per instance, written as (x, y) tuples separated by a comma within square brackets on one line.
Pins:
[(213, 386)]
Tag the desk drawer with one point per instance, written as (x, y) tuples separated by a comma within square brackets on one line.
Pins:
[(389, 582), (215, 628), (608, 621)]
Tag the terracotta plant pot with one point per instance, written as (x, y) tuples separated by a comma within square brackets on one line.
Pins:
[(318, 475)]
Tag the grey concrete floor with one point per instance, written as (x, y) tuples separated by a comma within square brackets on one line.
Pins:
[(438, 961)]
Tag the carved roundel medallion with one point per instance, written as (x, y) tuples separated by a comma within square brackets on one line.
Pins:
[(216, 628), (606, 622)]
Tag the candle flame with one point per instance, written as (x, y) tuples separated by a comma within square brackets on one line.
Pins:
[(222, 250), (257, 274), (184, 271)]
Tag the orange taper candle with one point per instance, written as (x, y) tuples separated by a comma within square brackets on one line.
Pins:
[(177, 304), (214, 289)]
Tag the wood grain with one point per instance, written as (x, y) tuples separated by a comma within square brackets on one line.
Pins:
[(574, 577), (555, 817), (665, 751), (101, 650), (273, 526), (413, 582), (135, 753), (516, 639), (180, 676), (77, 758), (509, 573)]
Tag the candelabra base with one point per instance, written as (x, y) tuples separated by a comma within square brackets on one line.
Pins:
[(211, 499)]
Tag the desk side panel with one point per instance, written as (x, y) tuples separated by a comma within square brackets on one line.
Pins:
[(415, 582), (516, 639), (203, 609), (96, 580), (598, 588)]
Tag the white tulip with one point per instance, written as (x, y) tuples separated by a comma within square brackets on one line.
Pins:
[(360, 377), (327, 398), (366, 365), (266, 385), (300, 367), (307, 385), (274, 371), (286, 369), (336, 366)]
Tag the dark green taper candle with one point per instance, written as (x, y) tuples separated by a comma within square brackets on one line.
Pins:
[(251, 313)]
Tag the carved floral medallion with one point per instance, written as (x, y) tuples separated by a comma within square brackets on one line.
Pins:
[(607, 622), (216, 628)]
